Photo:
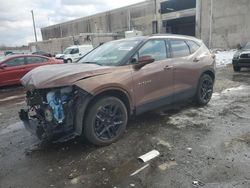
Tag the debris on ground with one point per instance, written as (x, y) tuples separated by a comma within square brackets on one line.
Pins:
[(167, 165), (139, 170), (149, 156), (189, 150), (197, 183), (74, 181)]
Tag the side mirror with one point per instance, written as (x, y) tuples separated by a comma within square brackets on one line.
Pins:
[(144, 60), (2, 66)]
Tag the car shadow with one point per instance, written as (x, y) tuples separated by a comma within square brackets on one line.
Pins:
[(146, 122)]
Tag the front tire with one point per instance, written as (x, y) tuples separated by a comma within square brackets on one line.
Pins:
[(205, 90), (105, 121), (69, 61)]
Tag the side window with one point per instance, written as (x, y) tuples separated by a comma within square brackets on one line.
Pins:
[(35, 60), (193, 46), (75, 51), (179, 48), (15, 62), (155, 49)]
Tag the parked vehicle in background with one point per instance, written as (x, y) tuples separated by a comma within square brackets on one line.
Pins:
[(8, 53), (118, 79), (242, 58), (74, 53), (42, 53), (13, 68)]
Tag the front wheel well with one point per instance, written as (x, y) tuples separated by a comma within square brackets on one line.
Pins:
[(114, 93)]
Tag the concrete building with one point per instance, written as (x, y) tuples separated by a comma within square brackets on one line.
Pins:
[(219, 23)]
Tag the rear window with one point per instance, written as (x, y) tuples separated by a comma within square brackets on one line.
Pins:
[(179, 48), (193, 46)]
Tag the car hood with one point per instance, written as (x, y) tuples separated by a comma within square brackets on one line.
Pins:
[(59, 55), (243, 51), (246, 51), (61, 75)]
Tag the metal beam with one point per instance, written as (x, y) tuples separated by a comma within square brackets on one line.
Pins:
[(179, 14)]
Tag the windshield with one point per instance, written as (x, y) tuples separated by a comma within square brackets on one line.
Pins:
[(247, 46), (111, 53), (67, 51)]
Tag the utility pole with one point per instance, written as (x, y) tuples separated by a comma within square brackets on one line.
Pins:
[(211, 25), (34, 25)]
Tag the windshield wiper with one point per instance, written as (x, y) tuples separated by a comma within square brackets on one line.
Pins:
[(89, 62)]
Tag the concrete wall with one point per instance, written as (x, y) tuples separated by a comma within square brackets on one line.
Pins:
[(138, 16), (230, 22), (219, 23)]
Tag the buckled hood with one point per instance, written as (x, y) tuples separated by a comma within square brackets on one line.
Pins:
[(61, 75)]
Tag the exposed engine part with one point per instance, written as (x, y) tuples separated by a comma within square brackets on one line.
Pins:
[(53, 113), (56, 99), (34, 98), (48, 114)]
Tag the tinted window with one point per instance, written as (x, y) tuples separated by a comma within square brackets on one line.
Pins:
[(179, 48), (154, 48), (15, 62), (34, 60), (193, 46)]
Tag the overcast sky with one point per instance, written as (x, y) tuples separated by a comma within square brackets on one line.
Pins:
[(16, 23)]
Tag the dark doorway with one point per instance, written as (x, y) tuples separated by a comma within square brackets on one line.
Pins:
[(183, 26)]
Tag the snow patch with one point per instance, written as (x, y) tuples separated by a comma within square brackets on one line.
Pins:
[(223, 58)]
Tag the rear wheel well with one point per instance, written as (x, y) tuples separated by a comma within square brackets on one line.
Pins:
[(114, 93)]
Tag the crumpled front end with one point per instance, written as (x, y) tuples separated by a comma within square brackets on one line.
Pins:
[(51, 113)]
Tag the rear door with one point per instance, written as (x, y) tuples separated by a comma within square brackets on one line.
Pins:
[(153, 83), (13, 71), (186, 67)]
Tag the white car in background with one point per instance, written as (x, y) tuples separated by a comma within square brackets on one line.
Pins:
[(74, 53)]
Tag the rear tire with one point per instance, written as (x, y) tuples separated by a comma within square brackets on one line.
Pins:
[(205, 90), (236, 68), (105, 121)]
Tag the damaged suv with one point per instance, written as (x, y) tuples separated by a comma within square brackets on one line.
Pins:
[(95, 97)]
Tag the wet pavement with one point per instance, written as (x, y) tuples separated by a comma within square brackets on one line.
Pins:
[(199, 147)]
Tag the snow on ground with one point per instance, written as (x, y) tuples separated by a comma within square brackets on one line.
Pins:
[(223, 58)]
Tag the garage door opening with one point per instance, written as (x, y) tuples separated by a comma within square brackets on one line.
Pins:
[(183, 26)]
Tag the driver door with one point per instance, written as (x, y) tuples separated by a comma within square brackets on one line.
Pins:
[(153, 83)]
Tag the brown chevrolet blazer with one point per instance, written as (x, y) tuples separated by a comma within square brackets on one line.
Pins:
[(96, 96)]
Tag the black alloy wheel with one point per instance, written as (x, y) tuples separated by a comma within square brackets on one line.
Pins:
[(205, 90), (106, 120)]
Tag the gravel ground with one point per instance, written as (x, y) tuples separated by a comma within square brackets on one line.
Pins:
[(199, 147)]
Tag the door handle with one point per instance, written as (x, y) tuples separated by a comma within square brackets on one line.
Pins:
[(196, 60), (168, 67)]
